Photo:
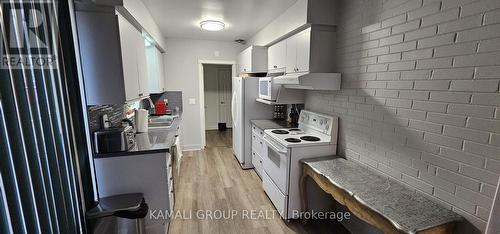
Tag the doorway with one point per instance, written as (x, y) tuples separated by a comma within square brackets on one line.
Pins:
[(217, 84)]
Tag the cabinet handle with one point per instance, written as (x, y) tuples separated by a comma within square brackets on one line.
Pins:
[(261, 142)]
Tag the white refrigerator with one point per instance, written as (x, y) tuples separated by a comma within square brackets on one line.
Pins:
[(245, 108)]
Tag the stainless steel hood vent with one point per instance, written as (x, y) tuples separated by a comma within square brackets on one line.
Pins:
[(311, 81)]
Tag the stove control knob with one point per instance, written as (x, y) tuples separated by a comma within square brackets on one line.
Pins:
[(321, 122)]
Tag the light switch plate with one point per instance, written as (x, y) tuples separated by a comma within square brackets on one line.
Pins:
[(192, 101)]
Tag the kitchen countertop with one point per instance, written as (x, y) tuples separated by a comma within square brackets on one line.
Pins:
[(264, 124), (156, 140)]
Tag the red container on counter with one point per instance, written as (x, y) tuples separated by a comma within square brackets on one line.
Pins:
[(161, 107)]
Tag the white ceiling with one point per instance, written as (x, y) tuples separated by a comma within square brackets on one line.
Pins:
[(243, 18)]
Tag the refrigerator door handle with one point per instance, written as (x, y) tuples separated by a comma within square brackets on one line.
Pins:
[(233, 109)]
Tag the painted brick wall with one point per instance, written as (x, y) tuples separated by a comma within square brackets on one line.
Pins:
[(420, 96)]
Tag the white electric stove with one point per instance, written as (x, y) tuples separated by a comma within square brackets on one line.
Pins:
[(315, 136)]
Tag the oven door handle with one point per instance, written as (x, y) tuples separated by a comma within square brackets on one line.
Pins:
[(273, 147)]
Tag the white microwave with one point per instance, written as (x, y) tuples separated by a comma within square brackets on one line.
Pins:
[(268, 90)]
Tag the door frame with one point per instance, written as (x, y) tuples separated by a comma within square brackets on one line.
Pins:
[(201, 90)]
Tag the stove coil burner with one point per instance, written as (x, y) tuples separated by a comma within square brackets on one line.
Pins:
[(292, 140), (310, 138), (279, 131), (295, 130)]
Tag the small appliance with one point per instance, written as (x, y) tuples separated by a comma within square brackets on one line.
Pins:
[(267, 89), (114, 140)]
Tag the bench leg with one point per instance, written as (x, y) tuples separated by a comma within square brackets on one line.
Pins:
[(303, 194)]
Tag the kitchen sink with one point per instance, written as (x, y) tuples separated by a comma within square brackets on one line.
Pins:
[(164, 121)]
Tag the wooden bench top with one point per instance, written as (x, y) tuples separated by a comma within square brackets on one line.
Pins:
[(378, 200)]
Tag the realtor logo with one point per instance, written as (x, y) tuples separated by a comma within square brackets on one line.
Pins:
[(27, 32)]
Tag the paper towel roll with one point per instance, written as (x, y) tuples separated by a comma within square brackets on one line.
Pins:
[(141, 120)]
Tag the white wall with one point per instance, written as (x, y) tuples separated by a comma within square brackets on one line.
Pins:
[(420, 97), (181, 68), (293, 18), (297, 16)]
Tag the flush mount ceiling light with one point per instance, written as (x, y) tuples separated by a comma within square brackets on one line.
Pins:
[(212, 25)]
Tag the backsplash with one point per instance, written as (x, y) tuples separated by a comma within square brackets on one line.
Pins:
[(114, 112), (117, 112), (174, 99)]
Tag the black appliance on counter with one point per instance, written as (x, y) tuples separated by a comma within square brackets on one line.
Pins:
[(111, 140)]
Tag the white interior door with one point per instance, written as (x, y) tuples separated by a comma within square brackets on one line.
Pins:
[(224, 80)]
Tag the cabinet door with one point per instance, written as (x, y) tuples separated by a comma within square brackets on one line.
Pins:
[(291, 54), (129, 58), (142, 65), (152, 69), (156, 72), (245, 60), (161, 70), (303, 43), (277, 55)]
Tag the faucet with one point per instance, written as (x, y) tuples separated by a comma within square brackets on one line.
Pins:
[(147, 104)]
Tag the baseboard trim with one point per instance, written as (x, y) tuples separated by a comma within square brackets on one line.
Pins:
[(191, 147), (212, 128)]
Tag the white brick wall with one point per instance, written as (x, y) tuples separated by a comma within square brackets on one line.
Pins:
[(420, 98)]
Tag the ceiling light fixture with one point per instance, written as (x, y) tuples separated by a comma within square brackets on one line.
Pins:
[(212, 25)]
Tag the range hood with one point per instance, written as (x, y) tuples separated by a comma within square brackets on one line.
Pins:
[(312, 81)]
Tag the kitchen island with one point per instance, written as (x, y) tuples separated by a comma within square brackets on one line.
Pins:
[(146, 168)]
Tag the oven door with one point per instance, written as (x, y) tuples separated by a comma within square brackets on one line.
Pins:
[(265, 88), (277, 164)]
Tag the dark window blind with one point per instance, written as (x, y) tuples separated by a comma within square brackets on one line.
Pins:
[(41, 128)]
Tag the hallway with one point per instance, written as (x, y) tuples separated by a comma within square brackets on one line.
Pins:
[(211, 182)]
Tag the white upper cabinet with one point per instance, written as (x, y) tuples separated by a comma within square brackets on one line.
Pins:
[(156, 71), (129, 58), (277, 55), (245, 61), (311, 50), (161, 70), (135, 73), (298, 51), (142, 65), (303, 50), (253, 59)]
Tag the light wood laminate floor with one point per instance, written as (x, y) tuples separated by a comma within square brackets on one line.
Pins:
[(211, 181)]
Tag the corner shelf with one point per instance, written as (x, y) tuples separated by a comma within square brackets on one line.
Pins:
[(275, 103)]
